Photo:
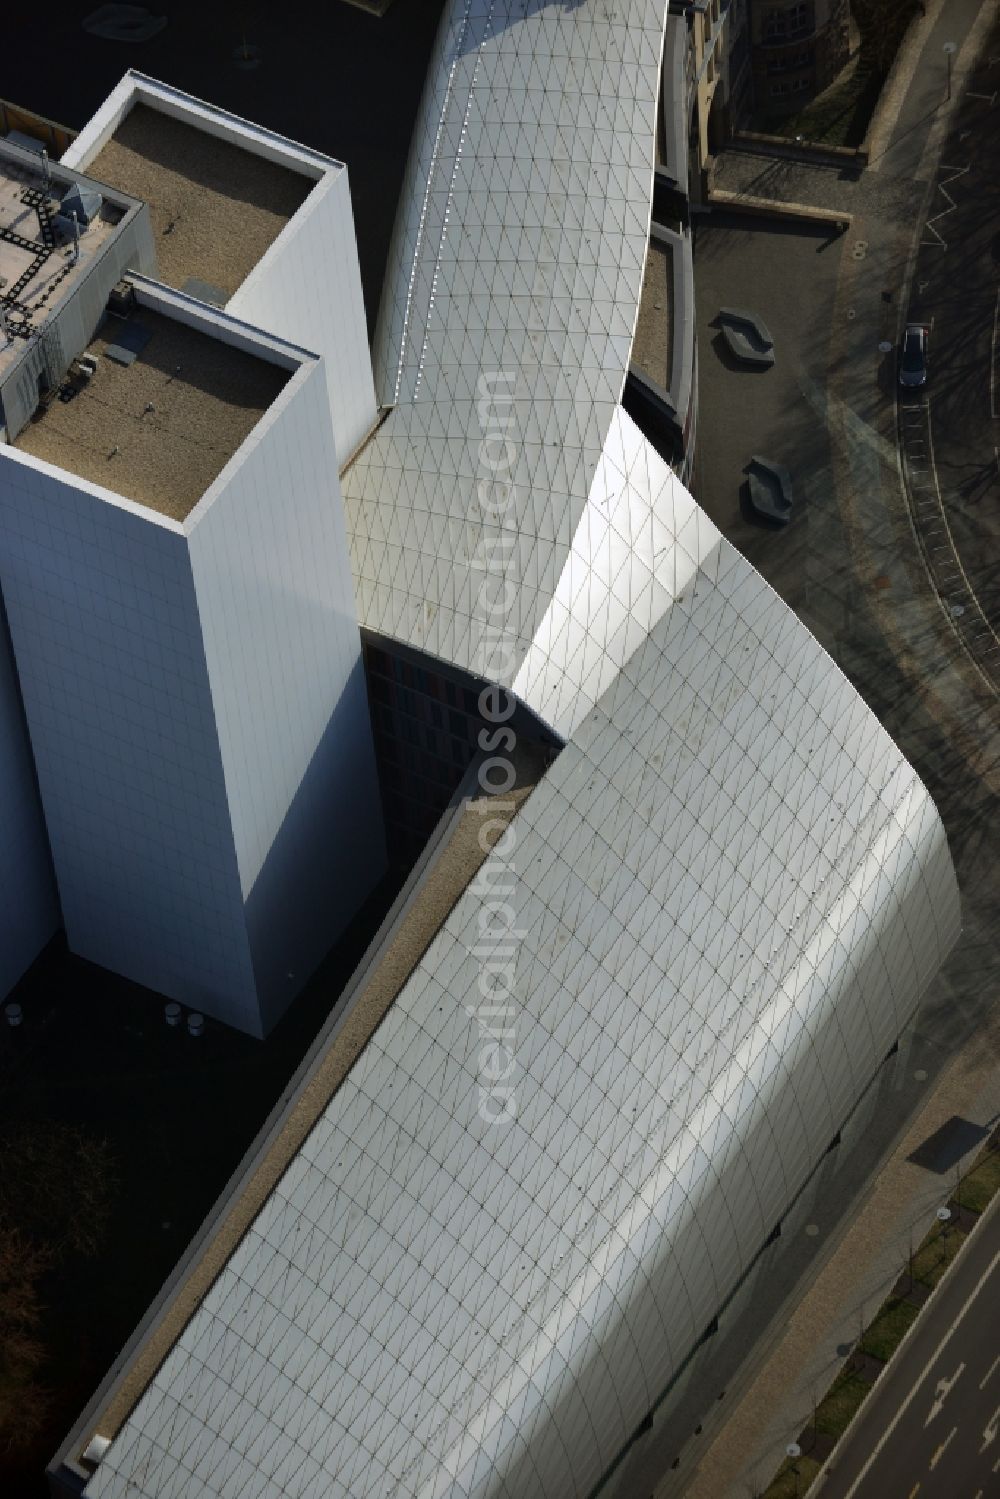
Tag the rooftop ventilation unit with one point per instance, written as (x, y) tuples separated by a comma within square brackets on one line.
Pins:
[(122, 299), (95, 1449), (83, 201)]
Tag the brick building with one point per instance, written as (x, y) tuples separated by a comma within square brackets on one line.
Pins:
[(797, 49)]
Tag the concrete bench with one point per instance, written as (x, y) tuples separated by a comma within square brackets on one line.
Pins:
[(746, 336), (770, 488)]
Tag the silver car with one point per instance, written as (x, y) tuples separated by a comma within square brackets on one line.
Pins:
[(913, 356)]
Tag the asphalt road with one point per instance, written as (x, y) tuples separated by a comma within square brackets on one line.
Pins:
[(956, 290), (931, 1427)]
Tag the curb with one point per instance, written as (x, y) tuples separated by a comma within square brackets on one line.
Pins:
[(812, 153), (770, 208), (826, 1471)]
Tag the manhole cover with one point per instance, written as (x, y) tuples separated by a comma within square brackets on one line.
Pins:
[(851, 313), (861, 244), (957, 610), (920, 1075), (885, 347), (812, 1229)]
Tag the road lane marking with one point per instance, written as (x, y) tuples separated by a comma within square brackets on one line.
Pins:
[(986, 1376), (939, 1454), (959, 578), (990, 1431), (942, 1391), (956, 172), (915, 1490), (887, 1433)]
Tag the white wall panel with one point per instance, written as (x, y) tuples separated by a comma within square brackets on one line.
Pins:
[(307, 288), (276, 605), (107, 640), (29, 907)]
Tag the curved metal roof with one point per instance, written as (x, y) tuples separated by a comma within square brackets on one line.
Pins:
[(728, 893), (519, 249)]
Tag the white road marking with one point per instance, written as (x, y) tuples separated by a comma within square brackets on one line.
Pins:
[(887, 1433), (931, 222), (939, 1454), (990, 1431), (989, 1373), (942, 1391), (929, 485)]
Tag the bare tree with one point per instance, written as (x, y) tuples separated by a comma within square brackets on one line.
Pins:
[(881, 24), (55, 1185), (23, 1399), (55, 1195)]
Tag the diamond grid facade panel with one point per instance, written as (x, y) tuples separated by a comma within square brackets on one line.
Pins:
[(729, 891), (639, 542), (519, 248)]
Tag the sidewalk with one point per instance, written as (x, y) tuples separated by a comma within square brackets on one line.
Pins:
[(825, 1325)]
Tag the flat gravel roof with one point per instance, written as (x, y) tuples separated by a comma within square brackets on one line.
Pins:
[(215, 207), (160, 430)]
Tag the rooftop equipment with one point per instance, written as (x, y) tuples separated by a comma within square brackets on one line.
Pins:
[(84, 201)]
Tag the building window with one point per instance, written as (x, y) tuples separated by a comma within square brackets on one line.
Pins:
[(785, 86), (790, 62), (789, 22), (739, 53)]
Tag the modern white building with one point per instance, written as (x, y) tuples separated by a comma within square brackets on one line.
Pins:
[(725, 897), (173, 555), (248, 220)]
